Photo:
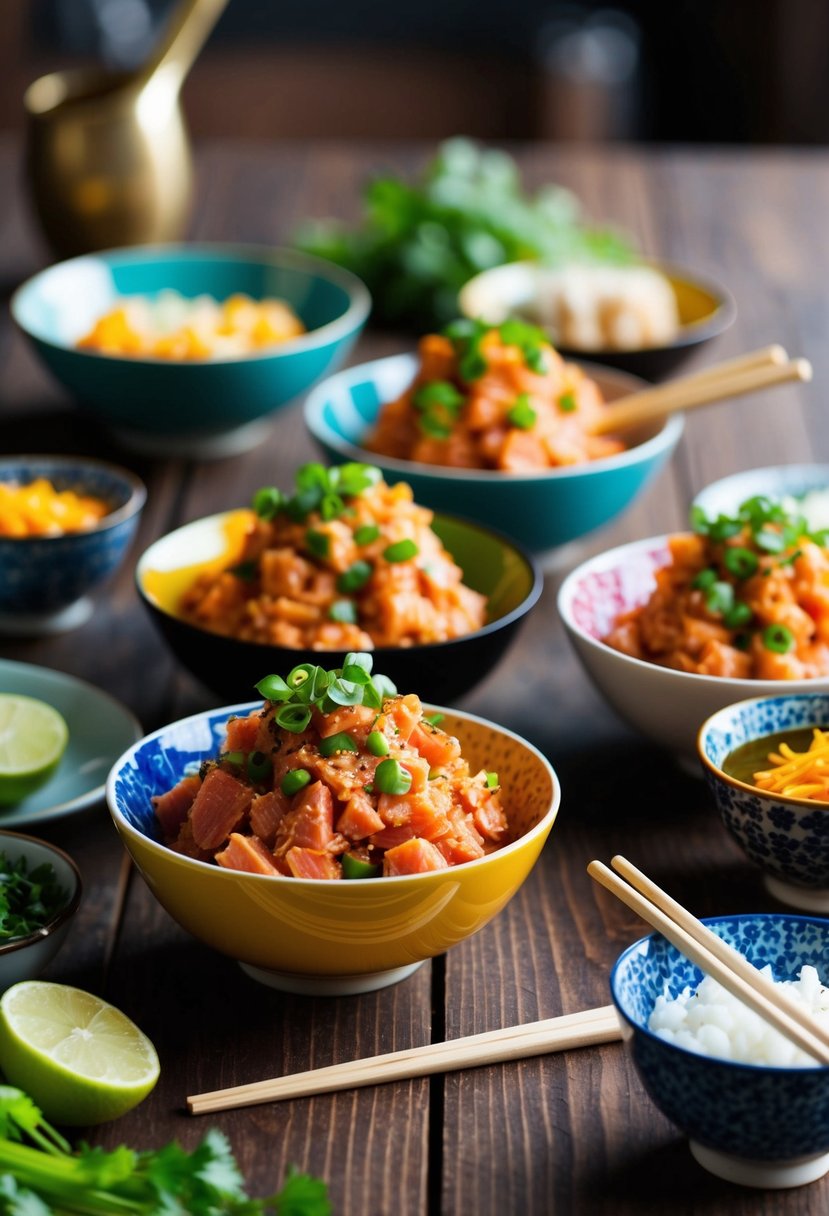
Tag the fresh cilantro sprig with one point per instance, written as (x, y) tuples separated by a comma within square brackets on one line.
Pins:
[(308, 687), (317, 489), (418, 242), (29, 899), (40, 1175)]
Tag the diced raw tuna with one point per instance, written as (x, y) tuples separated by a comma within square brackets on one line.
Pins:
[(359, 819), (218, 808), (312, 863), (406, 713), (243, 733), (349, 719), (414, 856), (171, 808), (247, 853), (310, 822), (266, 813)]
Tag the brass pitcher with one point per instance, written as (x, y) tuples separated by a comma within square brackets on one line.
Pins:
[(108, 158)]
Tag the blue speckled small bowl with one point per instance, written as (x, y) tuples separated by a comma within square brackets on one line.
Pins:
[(45, 580), (788, 838), (542, 511), (204, 408), (757, 1126)]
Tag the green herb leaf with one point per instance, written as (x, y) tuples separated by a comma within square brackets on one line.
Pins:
[(522, 414), (401, 551), (343, 611)]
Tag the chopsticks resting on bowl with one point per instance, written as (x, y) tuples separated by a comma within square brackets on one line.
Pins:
[(583, 1029), (746, 374), (713, 955)]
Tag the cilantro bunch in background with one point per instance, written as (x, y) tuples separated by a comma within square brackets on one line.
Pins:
[(419, 242)]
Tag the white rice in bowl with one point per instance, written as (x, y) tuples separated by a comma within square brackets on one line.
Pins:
[(712, 1022)]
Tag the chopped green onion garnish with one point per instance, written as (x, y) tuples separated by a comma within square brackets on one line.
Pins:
[(344, 611), (401, 551), (259, 767), (719, 597), (318, 543), (246, 571), (704, 580), (391, 778), (740, 562), (738, 615), (377, 743), (274, 688), (340, 742), (366, 534), (294, 781), (438, 392), (236, 759), (492, 781), (433, 719), (294, 718), (355, 867), (267, 502), (355, 577), (522, 414), (778, 638), (567, 402), (297, 676)]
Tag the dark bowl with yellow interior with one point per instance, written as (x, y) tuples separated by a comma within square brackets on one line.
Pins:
[(441, 671), (705, 310)]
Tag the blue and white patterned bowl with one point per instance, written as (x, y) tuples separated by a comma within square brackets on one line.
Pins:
[(788, 838), (45, 580), (753, 1125)]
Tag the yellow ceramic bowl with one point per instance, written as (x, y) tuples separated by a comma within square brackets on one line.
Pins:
[(310, 936)]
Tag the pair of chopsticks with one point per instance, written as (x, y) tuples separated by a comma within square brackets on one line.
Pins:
[(493, 1047), (714, 956), (746, 374)]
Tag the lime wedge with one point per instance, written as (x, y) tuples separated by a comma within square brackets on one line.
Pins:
[(33, 737), (81, 1060)]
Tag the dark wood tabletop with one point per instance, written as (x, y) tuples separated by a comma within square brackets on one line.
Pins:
[(571, 1133)]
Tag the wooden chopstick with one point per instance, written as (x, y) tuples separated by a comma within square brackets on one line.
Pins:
[(713, 956), (690, 392), (493, 1047), (774, 355)]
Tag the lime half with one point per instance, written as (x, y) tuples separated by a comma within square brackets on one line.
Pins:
[(81, 1060), (33, 737)]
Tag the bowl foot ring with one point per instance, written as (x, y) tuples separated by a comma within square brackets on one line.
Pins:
[(774, 1175), (328, 985), (805, 899), (42, 625), (209, 445)]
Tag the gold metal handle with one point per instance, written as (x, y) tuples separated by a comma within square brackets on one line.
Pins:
[(187, 30)]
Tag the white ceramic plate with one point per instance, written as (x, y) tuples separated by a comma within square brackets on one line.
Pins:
[(100, 730)]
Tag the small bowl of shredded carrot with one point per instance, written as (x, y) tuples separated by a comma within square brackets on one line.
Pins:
[(675, 627), (337, 832), (766, 765), (345, 561), (490, 421), (66, 524)]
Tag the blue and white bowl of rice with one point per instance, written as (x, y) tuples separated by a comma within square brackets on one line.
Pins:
[(755, 1110)]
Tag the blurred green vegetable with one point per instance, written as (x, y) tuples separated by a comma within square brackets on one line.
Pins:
[(419, 242)]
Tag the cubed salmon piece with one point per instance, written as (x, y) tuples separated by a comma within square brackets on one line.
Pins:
[(390, 837), (171, 808), (489, 819), (434, 745), (414, 856), (186, 845), (247, 853), (406, 712), (359, 819), (312, 863), (419, 771), (243, 733), (219, 807), (266, 813), (348, 719), (310, 822), (427, 817), (462, 842)]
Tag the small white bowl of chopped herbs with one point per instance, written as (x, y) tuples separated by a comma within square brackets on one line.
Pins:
[(40, 892)]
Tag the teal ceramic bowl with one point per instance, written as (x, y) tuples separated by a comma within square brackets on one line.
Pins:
[(204, 408), (440, 671), (542, 511)]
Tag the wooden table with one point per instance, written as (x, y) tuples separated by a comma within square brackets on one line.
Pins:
[(560, 1134)]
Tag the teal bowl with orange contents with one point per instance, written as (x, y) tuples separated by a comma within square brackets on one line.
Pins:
[(543, 510), (331, 937), (202, 408)]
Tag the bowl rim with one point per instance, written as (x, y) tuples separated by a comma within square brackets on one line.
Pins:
[(665, 438), (521, 609), (134, 504), (355, 314), (690, 333), (642, 944), (602, 561), (541, 828), (64, 914), (719, 774), (798, 470)]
